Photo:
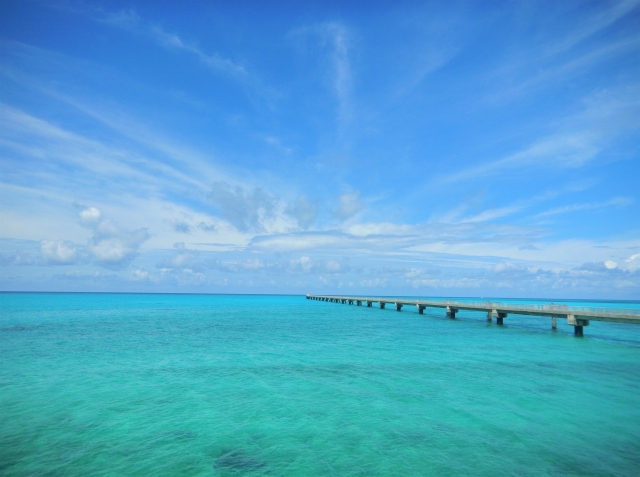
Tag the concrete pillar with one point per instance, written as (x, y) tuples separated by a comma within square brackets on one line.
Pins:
[(369, 303), (451, 312), (420, 309), (350, 302), (359, 302), (578, 324), (489, 317), (553, 323), (382, 304), (343, 301), (500, 316), (398, 306)]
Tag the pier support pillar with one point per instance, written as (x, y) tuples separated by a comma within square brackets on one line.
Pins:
[(489, 317), (420, 309), (350, 302), (398, 306), (553, 323), (359, 302), (500, 316), (369, 303), (578, 324), (343, 301), (451, 312), (382, 304)]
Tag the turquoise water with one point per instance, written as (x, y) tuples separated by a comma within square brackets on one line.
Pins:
[(108, 384)]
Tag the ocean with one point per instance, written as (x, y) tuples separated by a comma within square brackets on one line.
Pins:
[(235, 385)]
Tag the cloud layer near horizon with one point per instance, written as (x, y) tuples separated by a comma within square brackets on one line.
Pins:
[(424, 150)]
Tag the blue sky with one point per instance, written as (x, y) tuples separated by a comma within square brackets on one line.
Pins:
[(435, 149)]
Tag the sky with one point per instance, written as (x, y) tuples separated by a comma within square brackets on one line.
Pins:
[(482, 149)]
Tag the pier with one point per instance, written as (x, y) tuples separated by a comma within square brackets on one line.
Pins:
[(576, 316)]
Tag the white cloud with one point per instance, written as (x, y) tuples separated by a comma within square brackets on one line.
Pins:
[(59, 252), (182, 259), (569, 150), (111, 245), (349, 204), (333, 266), (618, 201), (90, 217), (303, 211), (302, 264), (17, 259), (580, 138), (130, 21), (632, 263), (245, 211), (336, 36), (139, 275)]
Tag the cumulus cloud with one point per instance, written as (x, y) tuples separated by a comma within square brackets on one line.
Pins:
[(303, 211), (598, 267), (632, 263), (245, 211), (139, 275), (111, 245), (59, 252), (90, 217), (349, 204), (182, 259), (16, 259), (302, 264)]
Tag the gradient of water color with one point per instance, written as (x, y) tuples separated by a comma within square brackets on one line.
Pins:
[(114, 384)]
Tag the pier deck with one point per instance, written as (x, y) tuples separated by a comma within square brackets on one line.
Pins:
[(577, 316)]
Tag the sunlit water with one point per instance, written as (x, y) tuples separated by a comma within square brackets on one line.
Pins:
[(108, 384)]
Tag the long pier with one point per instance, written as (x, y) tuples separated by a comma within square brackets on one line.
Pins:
[(576, 316)]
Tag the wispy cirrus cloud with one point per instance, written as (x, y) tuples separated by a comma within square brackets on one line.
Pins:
[(563, 52), (335, 38), (616, 201), (571, 150), (130, 21), (605, 116)]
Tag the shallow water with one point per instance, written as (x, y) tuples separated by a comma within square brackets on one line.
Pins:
[(110, 384)]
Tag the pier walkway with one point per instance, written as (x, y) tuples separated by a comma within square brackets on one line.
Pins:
[(577, 316)]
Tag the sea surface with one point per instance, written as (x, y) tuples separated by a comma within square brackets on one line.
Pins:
[(221, 385)]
